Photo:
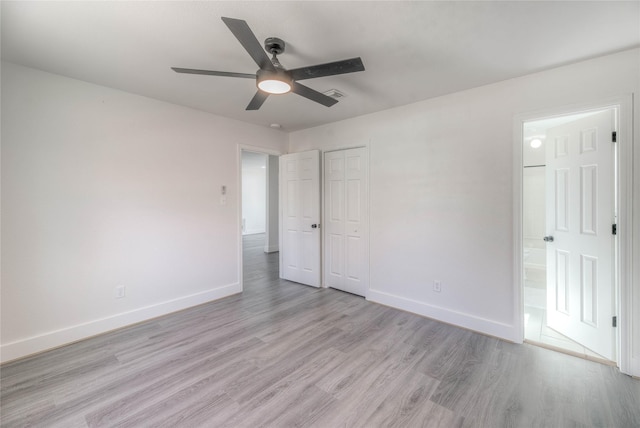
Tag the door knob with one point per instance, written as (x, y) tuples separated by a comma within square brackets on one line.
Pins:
[(315, 226), (548, 239)]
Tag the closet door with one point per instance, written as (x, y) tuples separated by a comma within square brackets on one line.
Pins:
[(300, 217), (346, 228)]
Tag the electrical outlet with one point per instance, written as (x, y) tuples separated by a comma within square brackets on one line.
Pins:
[(437, 286), (120, 291)]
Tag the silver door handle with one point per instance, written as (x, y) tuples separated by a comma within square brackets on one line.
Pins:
[(548, 239)]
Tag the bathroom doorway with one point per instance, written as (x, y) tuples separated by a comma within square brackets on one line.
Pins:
[(568, 198)]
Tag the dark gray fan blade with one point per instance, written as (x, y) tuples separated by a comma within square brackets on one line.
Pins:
[(248, 40), (213, 73), (313, 95), (329, 69), (257, 100)]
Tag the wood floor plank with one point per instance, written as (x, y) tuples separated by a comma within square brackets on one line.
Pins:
[(273, 398), (215, 365), (404, 401), (245, 388), (195, 405), (299, 405), (282, 354), (431, 415), (359, 396), (606, 378)]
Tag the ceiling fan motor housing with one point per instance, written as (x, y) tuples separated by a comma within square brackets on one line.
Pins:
[(274, 45)]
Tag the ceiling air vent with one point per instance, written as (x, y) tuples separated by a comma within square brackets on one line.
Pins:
[(334, 93)]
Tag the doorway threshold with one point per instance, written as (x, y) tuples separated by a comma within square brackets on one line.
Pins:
[(538, 333), (585, 356)]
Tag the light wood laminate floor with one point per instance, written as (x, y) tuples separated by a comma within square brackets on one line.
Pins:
[(282, 355)]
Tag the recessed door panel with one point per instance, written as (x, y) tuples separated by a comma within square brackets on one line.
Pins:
[(562, 281), (336, 244), (291, 243), (353, 258), (589, 289), (291, 207), (308, 195), (336, 200), (561, 144), (589, 199), (354, 203), (588, 140), (309, 244), (562, 199), (336, 165)]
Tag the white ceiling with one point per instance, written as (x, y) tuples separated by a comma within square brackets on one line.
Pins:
[(411, 50)]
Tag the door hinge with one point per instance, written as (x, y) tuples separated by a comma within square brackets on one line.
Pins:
[(614, 229), (614, 322), (614, 136)]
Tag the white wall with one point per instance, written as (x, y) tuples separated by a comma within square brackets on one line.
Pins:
[(441, 190), (103, 188), (533, 207), (533, 196), (254, 192)]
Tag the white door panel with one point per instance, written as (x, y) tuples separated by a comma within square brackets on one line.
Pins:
[(300, 212), (334, 218), (580, 212), (347, 227)]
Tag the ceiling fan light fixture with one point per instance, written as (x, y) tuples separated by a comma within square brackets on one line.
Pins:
[(274, 86), (274, 83)]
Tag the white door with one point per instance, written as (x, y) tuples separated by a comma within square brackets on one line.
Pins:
[(580, 214), (300, 217), (346, 232)]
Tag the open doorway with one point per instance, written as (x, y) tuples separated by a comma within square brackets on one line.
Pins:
[(254, 193), (259, 217), (569, 259)]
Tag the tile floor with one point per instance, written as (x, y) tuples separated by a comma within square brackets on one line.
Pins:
[(537, 332)]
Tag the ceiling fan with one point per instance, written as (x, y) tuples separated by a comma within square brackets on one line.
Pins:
[(272, 77)]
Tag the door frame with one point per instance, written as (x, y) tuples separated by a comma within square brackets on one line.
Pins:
[(624, 177), (240, 149)]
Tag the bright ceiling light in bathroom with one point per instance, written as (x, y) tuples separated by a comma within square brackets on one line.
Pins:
[(535, 143)]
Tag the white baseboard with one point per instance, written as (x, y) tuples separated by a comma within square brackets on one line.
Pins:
[(271, 249), (57, 338), (635, 367), (470, 322)]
